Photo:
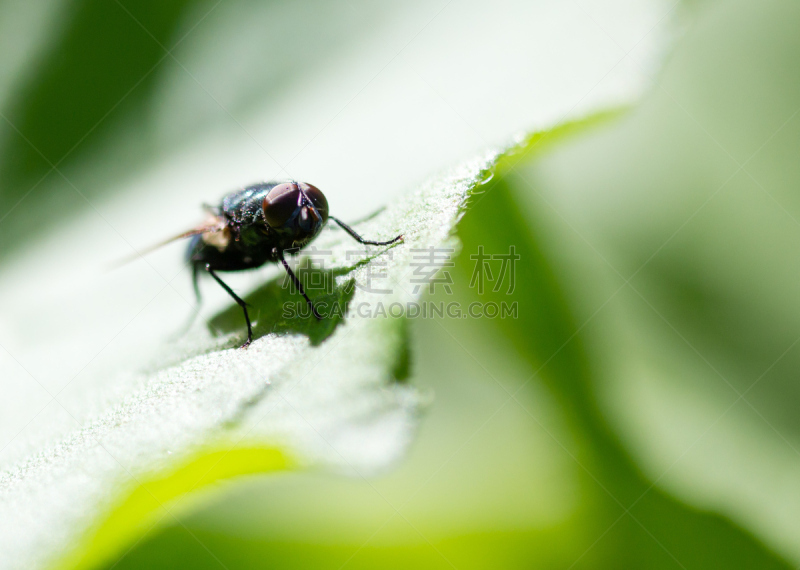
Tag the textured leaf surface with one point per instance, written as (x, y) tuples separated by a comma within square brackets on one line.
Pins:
[(98, 397), (275, 390)]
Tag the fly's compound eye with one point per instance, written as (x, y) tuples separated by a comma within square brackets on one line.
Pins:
[(317, 199), (281, 203)]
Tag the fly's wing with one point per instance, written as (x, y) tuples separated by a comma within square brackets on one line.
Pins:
[(214, 223)]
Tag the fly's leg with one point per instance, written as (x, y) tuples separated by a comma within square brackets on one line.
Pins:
[(196, 285), (196, 309), (299, 285), (359, 239), (238, 300)]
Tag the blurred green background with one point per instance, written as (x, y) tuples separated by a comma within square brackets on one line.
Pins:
[(640, 412)]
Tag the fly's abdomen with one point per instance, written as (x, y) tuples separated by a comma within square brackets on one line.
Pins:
[(226, 253)]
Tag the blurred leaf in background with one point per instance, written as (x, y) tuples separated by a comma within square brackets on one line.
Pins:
[(99, 71), (687, 211)]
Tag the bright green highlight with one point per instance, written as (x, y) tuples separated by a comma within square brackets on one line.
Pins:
[(156, 498)]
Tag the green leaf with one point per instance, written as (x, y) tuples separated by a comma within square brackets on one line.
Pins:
[(102, 406), (675, 246), (637, 525), (160, 496), (515, 464)]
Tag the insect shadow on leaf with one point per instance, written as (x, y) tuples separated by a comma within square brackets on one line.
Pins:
[(280, 309)]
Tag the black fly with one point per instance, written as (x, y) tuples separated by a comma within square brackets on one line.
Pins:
[(257, 225)]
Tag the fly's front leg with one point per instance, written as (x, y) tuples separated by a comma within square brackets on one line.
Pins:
[(238, 300), (359, 239), (297, 284)]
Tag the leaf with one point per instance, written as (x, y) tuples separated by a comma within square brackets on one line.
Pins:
[(637, 525), (473, 511), (96, 396), (514, 465), (676, 244), (145, 506), (285, 382)]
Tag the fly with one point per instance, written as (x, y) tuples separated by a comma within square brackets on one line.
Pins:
[(256, 225)]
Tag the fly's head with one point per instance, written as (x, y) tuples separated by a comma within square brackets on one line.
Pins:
[(296, 212)]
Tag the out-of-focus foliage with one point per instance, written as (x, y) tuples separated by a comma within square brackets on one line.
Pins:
[(99, 73), (144, 508), (686, 214)]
